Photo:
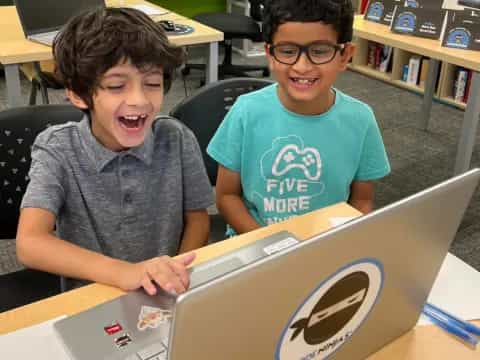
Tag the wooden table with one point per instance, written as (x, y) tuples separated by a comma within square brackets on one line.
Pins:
[(15, 49), (423, 342), (432, 48)]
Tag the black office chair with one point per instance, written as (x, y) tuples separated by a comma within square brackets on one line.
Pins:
[(203, 112), (19, 128), (234, 26)]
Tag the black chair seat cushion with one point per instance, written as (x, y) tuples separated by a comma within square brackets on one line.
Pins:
[(26, 286), (233, 26)]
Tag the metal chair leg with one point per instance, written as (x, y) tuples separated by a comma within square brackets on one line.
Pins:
[(33, 93), (44, 91)]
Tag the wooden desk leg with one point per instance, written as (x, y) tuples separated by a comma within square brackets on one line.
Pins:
[(12, 77), (212, 62), (429, 92), (466, 140)]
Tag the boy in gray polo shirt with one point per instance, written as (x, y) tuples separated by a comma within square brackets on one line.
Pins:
[(124, 191)]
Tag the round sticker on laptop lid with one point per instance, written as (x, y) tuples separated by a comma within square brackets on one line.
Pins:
[(332, 312)]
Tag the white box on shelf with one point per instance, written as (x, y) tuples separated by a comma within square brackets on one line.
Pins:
[(460, 84), (413, 70)]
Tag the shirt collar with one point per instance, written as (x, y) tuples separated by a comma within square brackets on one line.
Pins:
[(101, 156)]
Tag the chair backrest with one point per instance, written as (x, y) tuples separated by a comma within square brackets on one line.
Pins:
[(18, 129), (203, 111)]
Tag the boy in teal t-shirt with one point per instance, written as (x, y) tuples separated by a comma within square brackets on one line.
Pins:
[(300, 144)]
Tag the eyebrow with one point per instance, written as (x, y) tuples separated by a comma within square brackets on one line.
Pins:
[(124, 76), (114, 75), (153, 72)]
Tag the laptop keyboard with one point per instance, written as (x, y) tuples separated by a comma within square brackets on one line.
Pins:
[(156, 351)]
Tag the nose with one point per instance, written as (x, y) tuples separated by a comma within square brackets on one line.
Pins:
[(136, 96), (303, 63)]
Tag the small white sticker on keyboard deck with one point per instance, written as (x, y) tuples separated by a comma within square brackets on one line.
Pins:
[(283, 244)]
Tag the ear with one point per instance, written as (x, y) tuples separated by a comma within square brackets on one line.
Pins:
[(270, 58), (76, 100), (347, 54)]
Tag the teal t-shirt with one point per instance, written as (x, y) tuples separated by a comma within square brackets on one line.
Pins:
[(291, 164)]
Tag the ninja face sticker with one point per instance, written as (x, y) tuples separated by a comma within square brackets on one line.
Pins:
[(151, 317), (332, 312)]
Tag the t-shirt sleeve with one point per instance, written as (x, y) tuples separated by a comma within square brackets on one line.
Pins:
[(198, 193), (374, 162), (46, 189), (226, 145)]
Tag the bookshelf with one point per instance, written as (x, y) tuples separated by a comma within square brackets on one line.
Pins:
[(440, 80), (444, 90), (393, 76)]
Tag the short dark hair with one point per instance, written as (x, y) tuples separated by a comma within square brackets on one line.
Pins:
[(93, 42), (338, 13)]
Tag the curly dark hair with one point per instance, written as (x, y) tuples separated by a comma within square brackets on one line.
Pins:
[(93, 42), (338, 13)]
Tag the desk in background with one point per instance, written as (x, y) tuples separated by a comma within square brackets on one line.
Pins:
[(15, 49), (368, 30), (422, 342)]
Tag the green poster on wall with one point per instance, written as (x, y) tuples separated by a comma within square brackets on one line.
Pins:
[(190, 8)]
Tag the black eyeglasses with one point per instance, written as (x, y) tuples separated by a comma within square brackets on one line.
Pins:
[(318, 52)]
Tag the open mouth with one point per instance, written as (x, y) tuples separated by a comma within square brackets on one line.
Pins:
[(132, 122), (304, 82)]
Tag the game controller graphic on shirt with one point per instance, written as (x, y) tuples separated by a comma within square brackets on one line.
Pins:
[(291, 157)]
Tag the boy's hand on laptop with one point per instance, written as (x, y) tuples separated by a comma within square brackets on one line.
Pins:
[(168, 273)]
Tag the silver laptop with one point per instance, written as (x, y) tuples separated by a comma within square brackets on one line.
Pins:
[(42, 19), (344, 293)]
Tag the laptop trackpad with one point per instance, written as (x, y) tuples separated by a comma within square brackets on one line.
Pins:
[(203, 273)]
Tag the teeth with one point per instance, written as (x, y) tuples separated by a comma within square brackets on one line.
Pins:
[(135, 117), (304, 81)]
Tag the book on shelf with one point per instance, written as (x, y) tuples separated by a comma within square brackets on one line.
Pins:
[(413, 70), (467, 87), (462, 30), (405, 72), (460, 84), (423, 72), (385, 58), (363, 6), (381, 11), (379, 56), (419, 19), (372, 46)]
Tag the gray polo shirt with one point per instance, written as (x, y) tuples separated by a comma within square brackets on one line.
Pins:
[(128, 205)]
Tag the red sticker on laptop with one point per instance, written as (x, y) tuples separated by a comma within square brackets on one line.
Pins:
[(332, 312), (152, 317), (113, 328)]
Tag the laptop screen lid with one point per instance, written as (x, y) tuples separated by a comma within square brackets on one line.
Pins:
[(348, 291), (40, 16)]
